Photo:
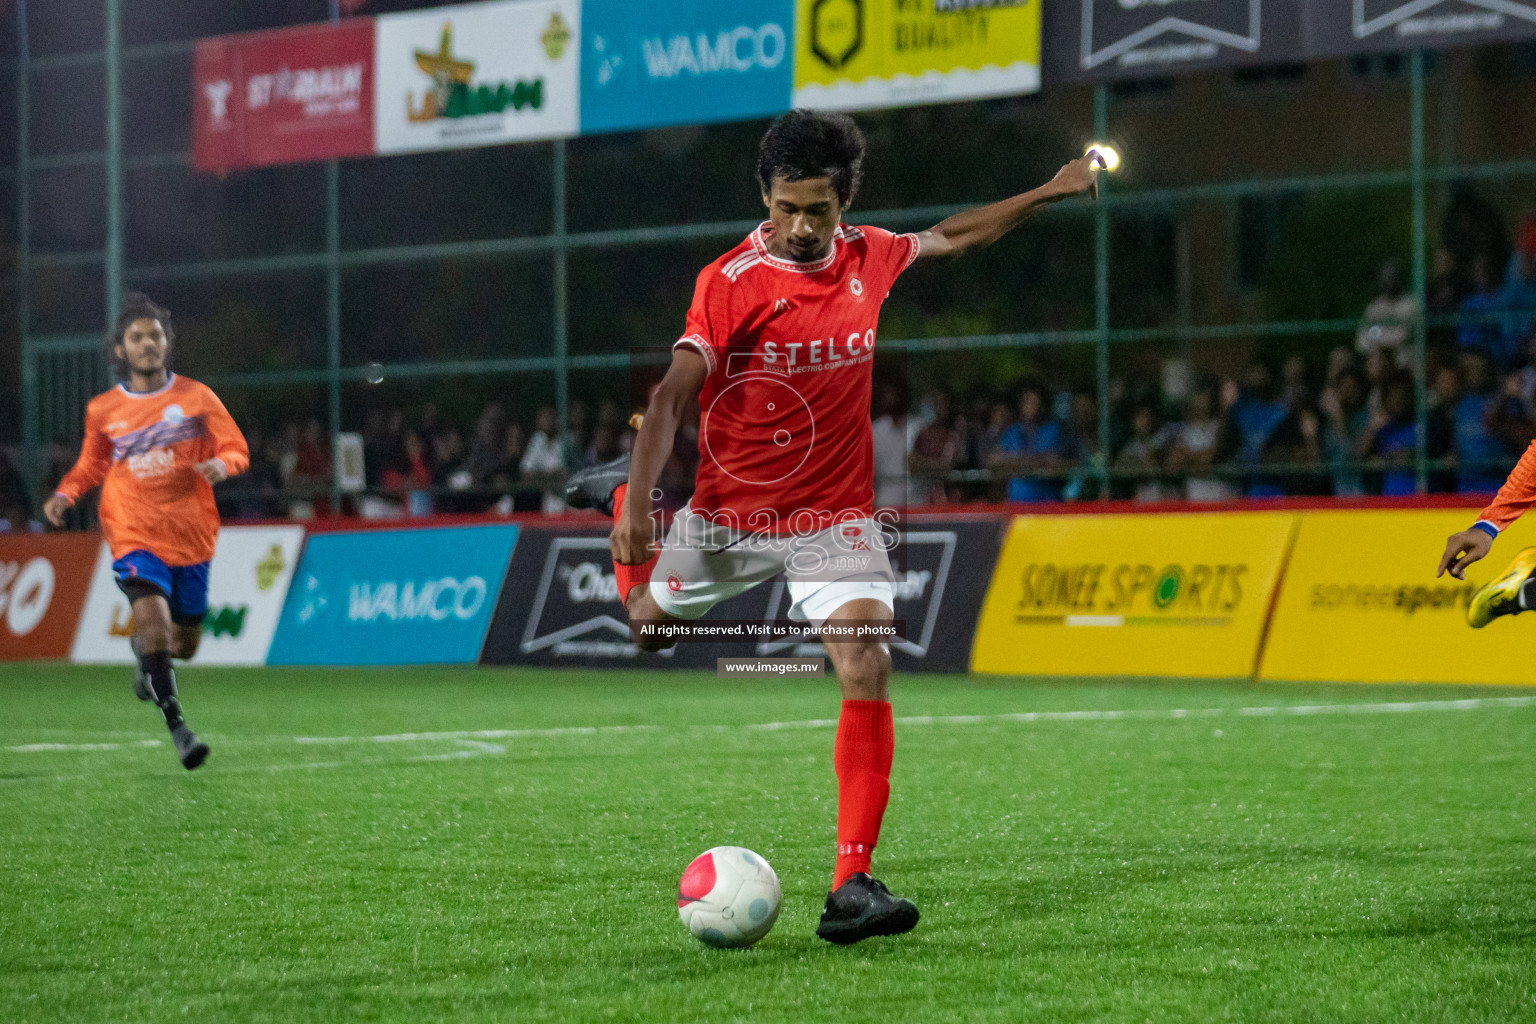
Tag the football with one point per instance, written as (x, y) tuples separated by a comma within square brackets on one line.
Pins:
[(728, 897)]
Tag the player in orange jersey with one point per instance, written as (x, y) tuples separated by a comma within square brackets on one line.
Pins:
[(157, 443), (1514, 591)]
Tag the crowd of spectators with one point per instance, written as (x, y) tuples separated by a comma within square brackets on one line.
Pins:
[(418, 462), (1344, 424)]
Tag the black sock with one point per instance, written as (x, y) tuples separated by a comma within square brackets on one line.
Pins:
[(1527, 596), (162, 685)]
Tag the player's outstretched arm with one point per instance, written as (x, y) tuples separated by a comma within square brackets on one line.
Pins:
[(89, 470), (1516, 496), (633, 539), (984, 225)]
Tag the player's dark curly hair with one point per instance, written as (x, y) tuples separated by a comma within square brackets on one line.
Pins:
[(811, 144), (136, 306)]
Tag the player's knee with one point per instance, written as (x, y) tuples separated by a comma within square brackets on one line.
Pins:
[(152, 633), (649, 644), (643, 611), (188, 639), (863, 670)]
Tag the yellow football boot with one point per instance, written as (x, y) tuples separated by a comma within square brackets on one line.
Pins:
[(1502, 596)]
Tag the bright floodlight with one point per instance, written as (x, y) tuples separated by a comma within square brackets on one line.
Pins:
[(1107, 153)]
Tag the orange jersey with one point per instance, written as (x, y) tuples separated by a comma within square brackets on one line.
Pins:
[(141, 448), (1516, 496)]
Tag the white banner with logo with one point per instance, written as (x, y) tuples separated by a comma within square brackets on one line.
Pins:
[(477, 75), (247, 584)]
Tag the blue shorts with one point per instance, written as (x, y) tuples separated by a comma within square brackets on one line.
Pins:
[(185, 587)]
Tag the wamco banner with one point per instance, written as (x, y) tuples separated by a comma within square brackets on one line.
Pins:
[(1142, 594), (43, 581), (477, 75), (1361, 603), (394, 597), (861, 54), (247, 582), (684, 62), (561, 604)]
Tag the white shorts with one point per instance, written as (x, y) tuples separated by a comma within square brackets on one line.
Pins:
[(703, 563)]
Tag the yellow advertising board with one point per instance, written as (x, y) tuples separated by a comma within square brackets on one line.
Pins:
[(1360, 603), (1152, 595), (858, 54)]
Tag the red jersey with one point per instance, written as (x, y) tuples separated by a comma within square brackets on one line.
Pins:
[(141, 447), (784, 425)]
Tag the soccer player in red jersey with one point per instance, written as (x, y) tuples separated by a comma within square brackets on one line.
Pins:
[(157, 443), (778, 354)]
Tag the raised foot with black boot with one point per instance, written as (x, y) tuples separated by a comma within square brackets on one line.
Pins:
[(861, 908), (593, 487), (189, 748)]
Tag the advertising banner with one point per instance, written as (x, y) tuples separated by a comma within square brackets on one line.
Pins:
[(1149, 595), (561, 605), (1335, 28), (43, 582), (251, 570), (941, 581), (1361, 603), (394, 597), (1099, 39), (284, 96), (684, 62), (1092, 40), (477, 75), (859, 54)]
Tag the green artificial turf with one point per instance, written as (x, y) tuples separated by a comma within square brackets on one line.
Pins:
[(1211, 866)]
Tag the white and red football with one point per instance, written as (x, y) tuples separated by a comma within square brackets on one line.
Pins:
[(728, 897)]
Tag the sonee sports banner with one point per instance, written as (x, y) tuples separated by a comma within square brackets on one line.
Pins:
[(1139, 594), (1361, 603)]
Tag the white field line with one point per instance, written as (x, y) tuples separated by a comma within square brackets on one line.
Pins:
[(480, 734), (475, 743), (1274, 710), (38, 748)]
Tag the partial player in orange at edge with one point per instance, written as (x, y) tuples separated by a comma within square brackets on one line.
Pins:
[(1514, 591)]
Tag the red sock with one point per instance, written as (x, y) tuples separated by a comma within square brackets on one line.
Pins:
[(629, 576), (866, 738)]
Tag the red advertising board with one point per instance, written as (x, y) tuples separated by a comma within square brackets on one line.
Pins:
[(43, 581), (284, 96)]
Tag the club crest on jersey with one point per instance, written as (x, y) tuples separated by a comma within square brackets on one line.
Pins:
[(857, 287), (173, 414), (674, 584)]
